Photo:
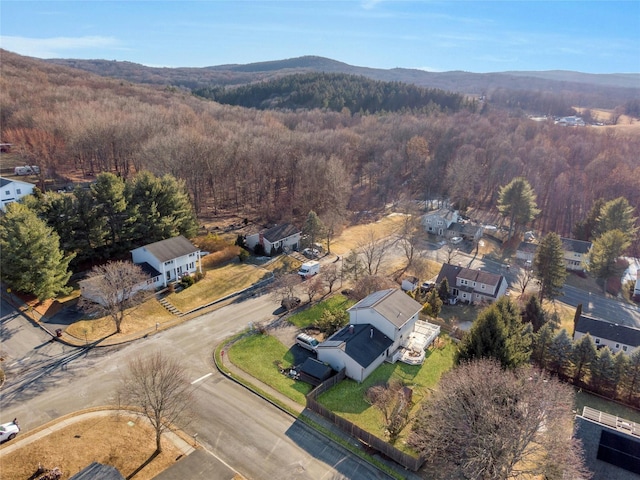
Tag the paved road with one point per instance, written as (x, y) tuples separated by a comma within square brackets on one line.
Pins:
[(254, 437), (602, 307)]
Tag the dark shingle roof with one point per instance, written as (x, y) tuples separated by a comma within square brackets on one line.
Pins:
[(170, 248), (359, 345), (279, 232), (98, 471), (609, 331), (578, 246), (393, 304), (451, 272), (149, 270), (527, 247), (316, 369)]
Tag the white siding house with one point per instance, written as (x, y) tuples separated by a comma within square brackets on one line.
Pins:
[(438, 221), (12, 191), (171, 259), (616, 337), (472, 286), (379, 325)]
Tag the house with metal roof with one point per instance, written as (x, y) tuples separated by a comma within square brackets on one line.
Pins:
[(12, 191), (285, 237), (168, 260), (379, 326), (472, 286), (616, 337)]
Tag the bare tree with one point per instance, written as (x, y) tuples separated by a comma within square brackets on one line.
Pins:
[(409, 233), (488, 423), (524, 278), (373, 249), (313, 286), (394, 403), (284, 286), (113, 288), (369, 284), (451, 252), (159, 387), (331, 274)]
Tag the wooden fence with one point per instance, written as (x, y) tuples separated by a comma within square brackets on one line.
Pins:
[(385, 448)]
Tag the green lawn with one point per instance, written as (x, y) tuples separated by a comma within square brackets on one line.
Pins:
[(258, 354), (347, 398), (307, 317), (586, 399)]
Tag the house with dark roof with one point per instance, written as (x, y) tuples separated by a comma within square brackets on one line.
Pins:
[(616, 337), (168, 260), (279, 238), (438, 221), (378, 327), (12, 191), (472, 286), (575, 252)]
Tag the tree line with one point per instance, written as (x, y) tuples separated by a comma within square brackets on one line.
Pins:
[(279, 165), (336, 91)]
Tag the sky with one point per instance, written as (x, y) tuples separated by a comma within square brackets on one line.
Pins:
[(476, 36)]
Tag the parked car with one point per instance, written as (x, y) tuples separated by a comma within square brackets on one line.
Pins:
[(290, 303), (307, 341), (456, 240), (311, 252), (8, 431), (426, 287)]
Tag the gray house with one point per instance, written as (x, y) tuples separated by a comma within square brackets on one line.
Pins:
[(278, 238)]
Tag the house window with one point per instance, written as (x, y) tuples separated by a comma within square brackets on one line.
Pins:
[(624, 348), (7, 192), (168, 275), (597, 341), (482, 286), (617, 345), (440, 222), (18, 191)]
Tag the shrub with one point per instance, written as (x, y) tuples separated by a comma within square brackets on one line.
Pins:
[(199, 276), (187, 281), (171, 288), (223, 256)]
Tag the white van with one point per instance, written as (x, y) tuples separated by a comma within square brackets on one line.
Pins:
[(309, 269), (307, 341)]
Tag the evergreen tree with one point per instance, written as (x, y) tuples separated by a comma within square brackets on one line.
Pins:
[(631, 378), (517, 201), (534, 313), (32, 261), (583, 354), (433, 304), (621, 363), (542, 343), (111, 203), (559, 353), (617, 215), (604, 255), (548, 266), (352, 266), (586, 229), (313, 228), (603, 371), (443, 289)]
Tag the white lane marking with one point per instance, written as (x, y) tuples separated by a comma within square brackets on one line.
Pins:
[(202, 378)]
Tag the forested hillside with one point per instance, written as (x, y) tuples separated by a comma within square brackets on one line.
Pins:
[(334, 91), (279, 165)]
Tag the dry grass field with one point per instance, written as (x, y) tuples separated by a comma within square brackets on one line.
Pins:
[(124, 442)]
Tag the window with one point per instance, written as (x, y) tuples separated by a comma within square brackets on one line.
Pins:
[(482, 286), (617, 345), (597, 341), (18, 191), (624, 348), (7, 192)]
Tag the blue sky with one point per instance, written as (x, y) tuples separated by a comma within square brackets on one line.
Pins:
[(476, 36)]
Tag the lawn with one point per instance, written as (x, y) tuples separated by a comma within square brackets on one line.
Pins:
[(586, 399), (217, 283), (259, 355), (347, 398), (352, 237), (307, 317), (74, 447)]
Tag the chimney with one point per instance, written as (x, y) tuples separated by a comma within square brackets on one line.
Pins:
[(371, 333), (351, 328)]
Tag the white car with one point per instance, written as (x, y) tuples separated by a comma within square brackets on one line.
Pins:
[(456, 240), (8, 431)]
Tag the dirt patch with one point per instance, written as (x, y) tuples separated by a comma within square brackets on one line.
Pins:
[(284, 331), (124, 442)]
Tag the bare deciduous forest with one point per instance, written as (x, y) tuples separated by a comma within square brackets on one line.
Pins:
[(278, 165)]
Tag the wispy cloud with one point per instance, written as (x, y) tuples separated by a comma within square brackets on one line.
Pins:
[(54, 47)]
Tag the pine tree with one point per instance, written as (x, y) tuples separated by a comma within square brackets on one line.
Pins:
[(517, 201), (433, 304), (604, 374), (604, 255), (534, 313), (584, 353), (541, 344), (617, 214), (586, 229), (32, 261), (559, 356), (313, 228), (631, 378), (548, 266), (443, 289)]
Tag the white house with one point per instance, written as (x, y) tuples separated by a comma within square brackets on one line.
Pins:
[(616, 337), (472, 286), (170, 259), (575, 253), (91, 288), (438, 221), (636, 289), (279, 238), (12, 191), (378, 327)]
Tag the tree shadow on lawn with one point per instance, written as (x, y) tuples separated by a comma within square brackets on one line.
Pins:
[(144, 464)]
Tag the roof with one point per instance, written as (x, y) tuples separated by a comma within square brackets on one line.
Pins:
[(527, 247), (98, 470), (149, 270), (279, 232), (452, 272), (171, 248), (445, 213), (358, 343), (609, 331), (466, 229), (7, 181), (315, 369), (578, 246), (393, 304)]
